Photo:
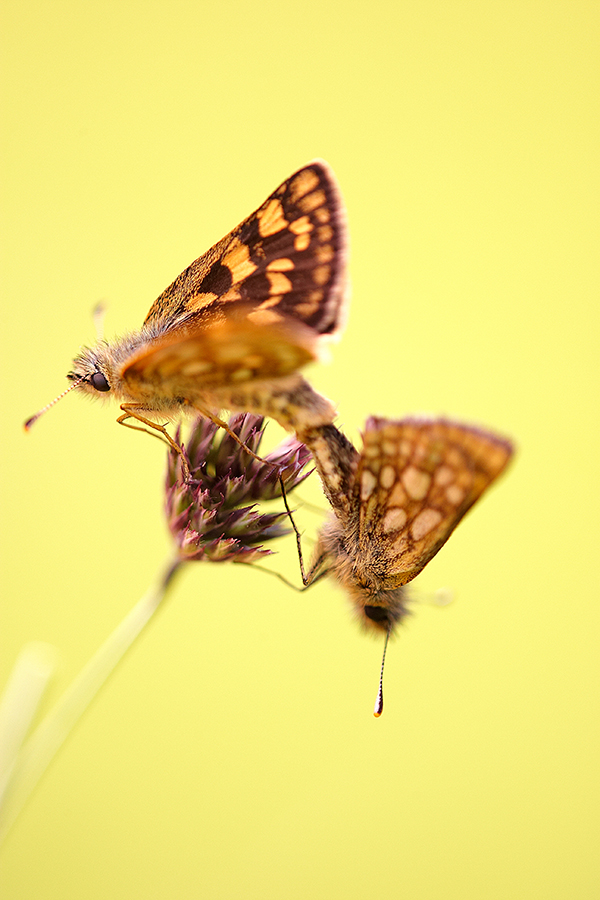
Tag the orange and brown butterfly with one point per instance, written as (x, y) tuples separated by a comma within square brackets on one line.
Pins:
[(395, 505), (235, 327)]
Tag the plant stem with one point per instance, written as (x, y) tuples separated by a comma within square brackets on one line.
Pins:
[(37, 752)]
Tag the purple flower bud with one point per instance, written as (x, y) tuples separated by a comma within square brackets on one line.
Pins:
[(214, 516)]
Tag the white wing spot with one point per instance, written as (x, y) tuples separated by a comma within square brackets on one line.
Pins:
[(387, 477), (444, 475), (455, 494), (425, 522), (367, 484), (416, 482), (394, 519)]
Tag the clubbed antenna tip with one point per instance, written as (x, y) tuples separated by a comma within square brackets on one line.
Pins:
[(379, 702), (27, 425)]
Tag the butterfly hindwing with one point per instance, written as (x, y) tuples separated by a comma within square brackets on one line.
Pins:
[(415, 481), (241, 345)]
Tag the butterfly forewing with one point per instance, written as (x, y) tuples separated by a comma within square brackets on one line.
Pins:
[(289, 255), (415, 481)]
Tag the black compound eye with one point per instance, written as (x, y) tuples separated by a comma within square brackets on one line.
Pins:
[(376, 613), (98, 381)]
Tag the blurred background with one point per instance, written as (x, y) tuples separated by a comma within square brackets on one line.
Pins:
[(234, 753)]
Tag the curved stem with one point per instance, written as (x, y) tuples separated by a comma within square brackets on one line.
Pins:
[(38, 751)]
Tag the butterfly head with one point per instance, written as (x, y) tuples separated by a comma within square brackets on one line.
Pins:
[(98, 370), (379, 605), (93, 371), (376, 592)]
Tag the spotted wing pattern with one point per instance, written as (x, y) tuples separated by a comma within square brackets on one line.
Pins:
[(227, 352), (289, 256), (415, 481)]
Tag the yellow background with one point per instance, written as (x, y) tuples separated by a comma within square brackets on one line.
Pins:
[(234, 753)]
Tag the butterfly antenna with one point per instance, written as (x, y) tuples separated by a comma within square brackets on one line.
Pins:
[(48, 406), (379, 702)]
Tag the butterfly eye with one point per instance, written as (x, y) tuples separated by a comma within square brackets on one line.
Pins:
[(376, 613), (98, 381)]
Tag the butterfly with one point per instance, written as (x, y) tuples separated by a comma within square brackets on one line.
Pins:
[(235, 327), (395, 504)]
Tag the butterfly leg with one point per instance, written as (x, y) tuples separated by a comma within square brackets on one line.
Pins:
[(286, 581), (313, 575), (221, 424), (130, 412)]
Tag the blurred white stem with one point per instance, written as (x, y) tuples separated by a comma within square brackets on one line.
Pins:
[(31, 673), (28, 765)]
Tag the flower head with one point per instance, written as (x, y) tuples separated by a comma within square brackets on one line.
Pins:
[(208, 515)]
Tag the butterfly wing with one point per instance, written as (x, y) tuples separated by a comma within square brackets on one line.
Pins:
[(415, 481), (289, 255), (239, 345)]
